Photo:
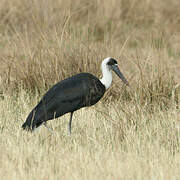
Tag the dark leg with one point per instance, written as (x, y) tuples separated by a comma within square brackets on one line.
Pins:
[(69, 127)]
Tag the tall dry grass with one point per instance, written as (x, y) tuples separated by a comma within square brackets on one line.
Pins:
[(108, 141), (134, 132)]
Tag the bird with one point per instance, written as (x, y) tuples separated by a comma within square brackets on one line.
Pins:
[(71, 94)]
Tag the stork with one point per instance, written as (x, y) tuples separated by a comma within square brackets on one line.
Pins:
[(71, 94)]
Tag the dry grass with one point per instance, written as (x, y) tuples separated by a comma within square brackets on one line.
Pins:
[(134, 133), (115, 141)]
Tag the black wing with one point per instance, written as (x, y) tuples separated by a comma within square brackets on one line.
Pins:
[(66, 96)]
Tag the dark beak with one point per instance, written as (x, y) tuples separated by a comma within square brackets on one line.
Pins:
[(115, 68)]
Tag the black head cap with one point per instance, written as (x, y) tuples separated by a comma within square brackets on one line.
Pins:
[(112, 62)]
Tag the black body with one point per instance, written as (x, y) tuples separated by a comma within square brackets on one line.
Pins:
[(69, 95)]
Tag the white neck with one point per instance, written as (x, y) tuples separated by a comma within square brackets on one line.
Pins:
[(107, 76)]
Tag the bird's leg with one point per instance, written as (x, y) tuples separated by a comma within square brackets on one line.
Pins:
[(69, 127), (45, 122)]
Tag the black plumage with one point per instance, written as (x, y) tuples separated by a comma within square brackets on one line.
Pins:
[(66, 96)]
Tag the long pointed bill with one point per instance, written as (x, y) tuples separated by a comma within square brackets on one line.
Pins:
[(115, 68)]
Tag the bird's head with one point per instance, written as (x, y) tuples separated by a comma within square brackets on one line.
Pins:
[(111, 64)]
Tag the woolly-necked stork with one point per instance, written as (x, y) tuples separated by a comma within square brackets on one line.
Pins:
[(71, 94)]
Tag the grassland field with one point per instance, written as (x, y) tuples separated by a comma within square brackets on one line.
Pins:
[(133, 132)]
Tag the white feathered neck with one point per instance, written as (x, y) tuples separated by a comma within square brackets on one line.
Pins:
[(106, 73)]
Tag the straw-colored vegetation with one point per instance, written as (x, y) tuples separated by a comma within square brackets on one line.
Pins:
[(133, 133)]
